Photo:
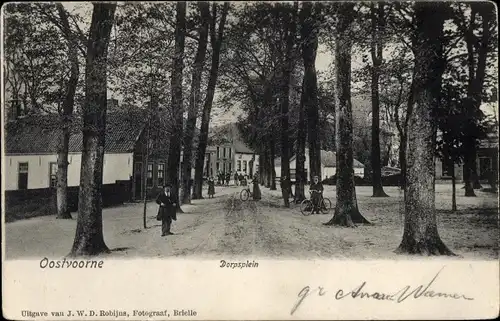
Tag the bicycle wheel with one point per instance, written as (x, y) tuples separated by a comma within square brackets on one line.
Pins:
[(306, 207), (326, 206), (244, 195)]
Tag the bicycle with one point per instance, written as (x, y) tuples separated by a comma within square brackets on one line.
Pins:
[(307, 206), (245, 194)]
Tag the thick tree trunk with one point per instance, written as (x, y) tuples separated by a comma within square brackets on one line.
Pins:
[(477, 73), (272, 157), (468, 166), (261, 165), (402, 160), (145, 160), (89, 238), (453, 188), (309, 35), (267, 168), (194, 100), (174, 153), (346, 209), (67, 112), (285, 102), (420, 234), (62, 175), (216, 42), (475, 176), (300, 175), (377, 16)]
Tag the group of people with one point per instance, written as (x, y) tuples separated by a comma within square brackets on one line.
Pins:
[(168, 204), (225, 178)]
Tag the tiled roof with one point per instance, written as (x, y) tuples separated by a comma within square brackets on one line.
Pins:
[(329, 159), (229, 133), (39, 134)]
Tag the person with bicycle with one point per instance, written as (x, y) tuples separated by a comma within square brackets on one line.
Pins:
[(316, 190)]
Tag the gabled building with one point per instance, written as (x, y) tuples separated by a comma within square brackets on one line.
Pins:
[(229, 154), (328, 165), (31, 143), (486, 161)]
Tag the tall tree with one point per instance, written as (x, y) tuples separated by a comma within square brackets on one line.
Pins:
[(57, 20), (288, 64), (177, 109), (420, 230), (300, 172), (216, 39), (194, 99), (89, 239), (376, 49), (67, 113), (309, 31), (346, 209), (478, 48)]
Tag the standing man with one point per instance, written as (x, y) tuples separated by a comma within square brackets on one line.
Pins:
[(285, 190), (167, 210), (316, 189)]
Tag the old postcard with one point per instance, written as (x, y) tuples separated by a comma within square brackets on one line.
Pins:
[(250, 160)]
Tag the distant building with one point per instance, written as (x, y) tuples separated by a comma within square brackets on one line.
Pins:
[(486, 161), (328, 165), (229, 154)]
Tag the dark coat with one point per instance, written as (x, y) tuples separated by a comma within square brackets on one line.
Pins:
[(256, 190), (286, 184), (169, 208), (211, 187), (316, 187)]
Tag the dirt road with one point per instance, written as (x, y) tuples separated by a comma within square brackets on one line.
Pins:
[(226, 227)]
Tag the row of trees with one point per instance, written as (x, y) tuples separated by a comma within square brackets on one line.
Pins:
[(263, 51), (123, 49), (436, 55)]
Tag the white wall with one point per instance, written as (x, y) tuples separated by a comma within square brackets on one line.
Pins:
[(247, 158), (325, 171), (116, 167), (328, 172)]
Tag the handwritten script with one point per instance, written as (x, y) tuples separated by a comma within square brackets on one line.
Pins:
[(362, 292)]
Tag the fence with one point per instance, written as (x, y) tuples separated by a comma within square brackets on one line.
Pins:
[(23, 204)]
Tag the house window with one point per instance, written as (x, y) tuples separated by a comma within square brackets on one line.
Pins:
[(238, 164), (217, 166), (230, 167), (149, 180), (161, 174), (229, 152), (53, 174), (22, 177), (224, 152), (218, 152), (245, 166)]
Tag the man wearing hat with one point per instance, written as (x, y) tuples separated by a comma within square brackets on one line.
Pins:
[(167, 210), (317, 191)]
